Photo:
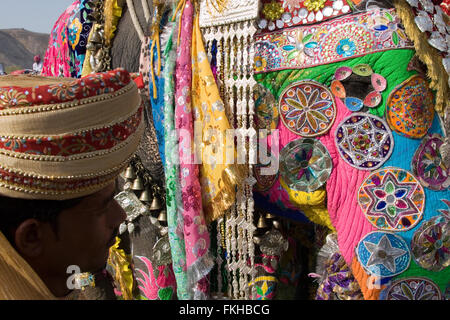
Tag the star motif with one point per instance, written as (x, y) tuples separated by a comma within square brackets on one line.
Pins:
[(392, 206), (383, 253)]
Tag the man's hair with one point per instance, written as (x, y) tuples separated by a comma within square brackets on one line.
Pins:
[(15, 211)]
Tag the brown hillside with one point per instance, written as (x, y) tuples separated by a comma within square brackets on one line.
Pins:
[(19, 46)]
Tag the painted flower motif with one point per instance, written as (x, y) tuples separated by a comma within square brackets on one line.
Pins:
[(64, 91), (314, 5), (264, 292), (386, 28), (12, 98), (300, 46), (260, 63), (346, 48), (74, 32), (306, 109), (391, 199)]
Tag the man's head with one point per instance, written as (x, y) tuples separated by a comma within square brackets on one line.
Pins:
[(63, 142), (37, 58), (52, 235)]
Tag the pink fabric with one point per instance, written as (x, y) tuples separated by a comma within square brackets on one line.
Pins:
[(195, 231), (56, 60), (342, 187)]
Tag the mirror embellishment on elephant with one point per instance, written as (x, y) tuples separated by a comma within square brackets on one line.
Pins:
[(358, 87), (383, 254), (307, 108), (392, 199), (364, 141), (305, 164)]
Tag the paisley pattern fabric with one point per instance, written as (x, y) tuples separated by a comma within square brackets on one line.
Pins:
[(78, 29)]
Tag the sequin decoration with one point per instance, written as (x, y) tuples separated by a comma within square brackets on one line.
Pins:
[(296, 12), (392, 199), (428, 165), (342, 38), (410, 108), (383, 254), (430, 244), (307, 108), (265, 108), (358, 86), (364, 141), (305, 164), (413, 289)]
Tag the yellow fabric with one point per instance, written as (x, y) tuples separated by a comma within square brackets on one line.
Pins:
[(123, 273), (218, 180), (18, 281), (312, 204)]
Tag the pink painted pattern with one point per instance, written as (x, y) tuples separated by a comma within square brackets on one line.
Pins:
[(342, 187), (56, 61)]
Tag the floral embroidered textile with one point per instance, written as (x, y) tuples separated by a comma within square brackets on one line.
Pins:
[(413, 289), (331, 41)]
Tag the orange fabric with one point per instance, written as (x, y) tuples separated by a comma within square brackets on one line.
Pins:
[(366, 282)]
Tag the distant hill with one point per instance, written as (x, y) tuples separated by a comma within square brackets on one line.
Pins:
[(19, 46)]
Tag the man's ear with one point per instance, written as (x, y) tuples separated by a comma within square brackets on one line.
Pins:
[(29, 238)]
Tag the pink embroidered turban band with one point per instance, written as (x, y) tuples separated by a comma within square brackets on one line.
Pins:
[(63, 138)]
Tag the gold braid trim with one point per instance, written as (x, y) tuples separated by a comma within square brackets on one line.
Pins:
[(427, 54), (123, 273)]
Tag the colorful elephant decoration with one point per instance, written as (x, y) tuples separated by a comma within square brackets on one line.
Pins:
[(355, 98)]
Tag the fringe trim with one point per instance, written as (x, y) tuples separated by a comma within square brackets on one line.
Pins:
[(113, 13), (427, 54), (231, 177), (197, 271)]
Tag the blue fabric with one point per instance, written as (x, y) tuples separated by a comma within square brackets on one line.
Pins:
[(158, 104), (404, 149), (263, 202)]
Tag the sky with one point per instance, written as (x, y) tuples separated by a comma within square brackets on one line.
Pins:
[(32, 15)]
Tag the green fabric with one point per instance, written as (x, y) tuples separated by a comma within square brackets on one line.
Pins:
[(442, 278), (390, 64), (174, 205)]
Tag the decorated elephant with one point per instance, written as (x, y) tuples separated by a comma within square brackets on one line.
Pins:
[(350, 98)]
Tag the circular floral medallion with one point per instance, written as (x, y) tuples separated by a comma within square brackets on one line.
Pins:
[(430, 244), (428, 165), (364, 141), (307, 108), (392, 199), (413, 289), (265, 108), (383, 254), (305, 164)]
